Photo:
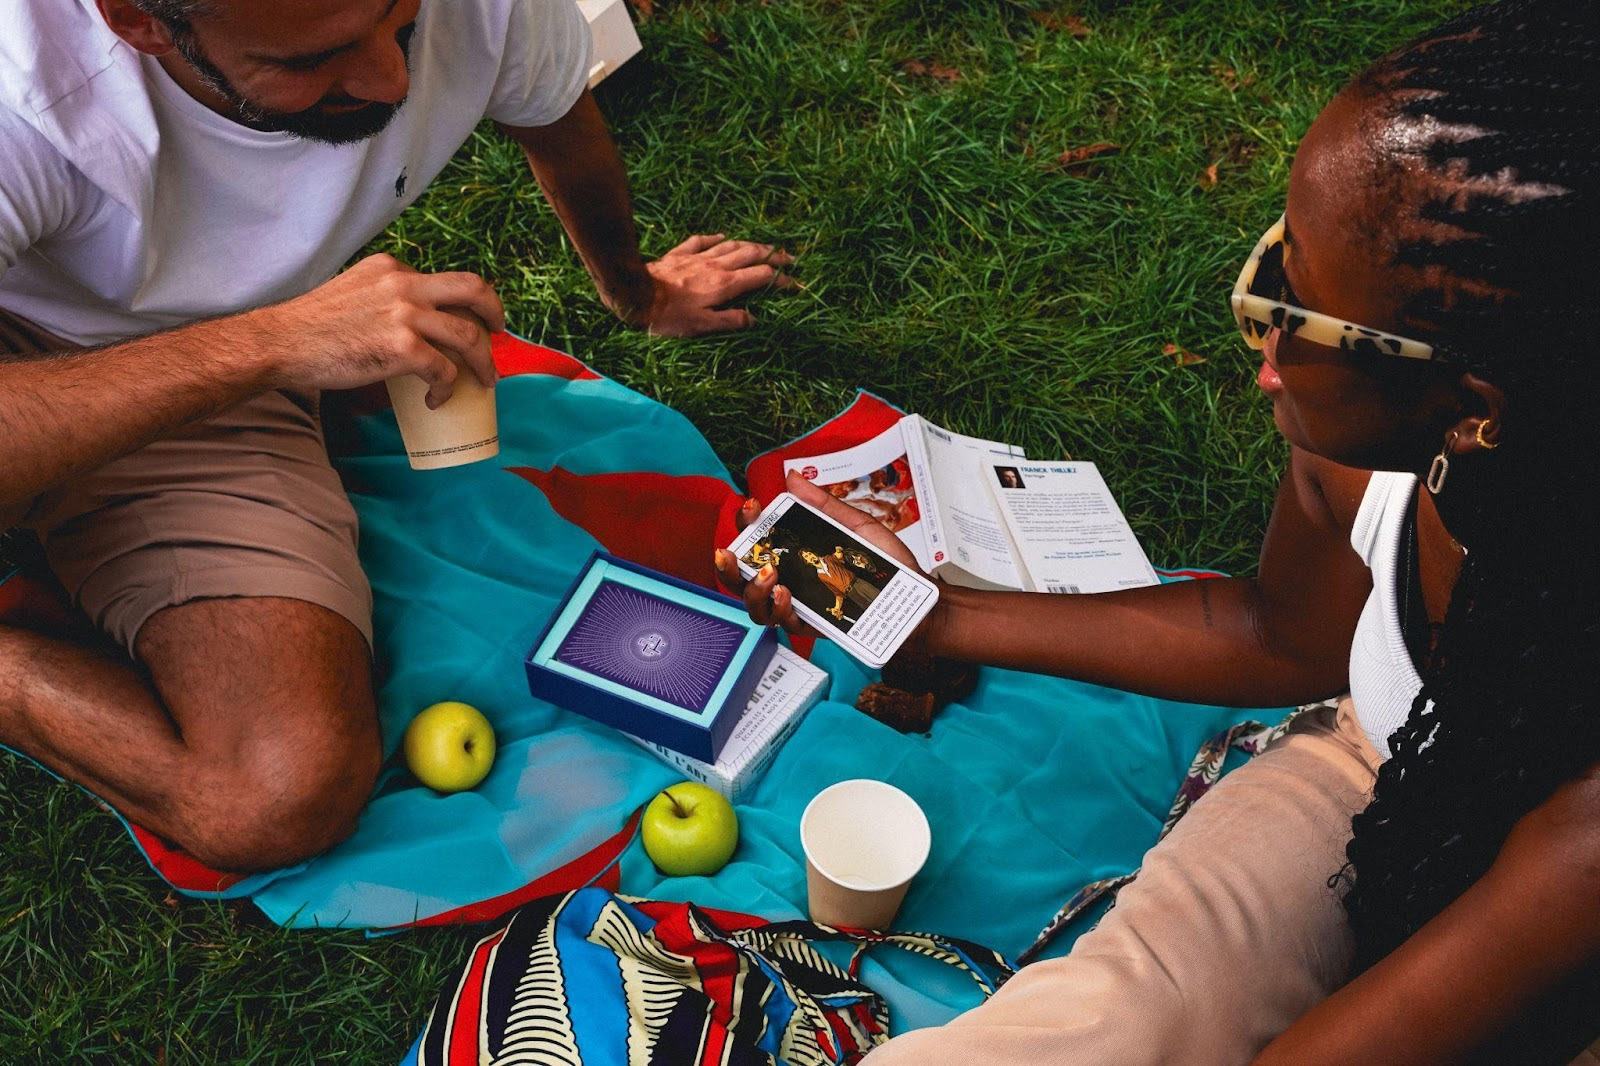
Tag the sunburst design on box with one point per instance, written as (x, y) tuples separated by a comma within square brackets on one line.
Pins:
[(651, 645)]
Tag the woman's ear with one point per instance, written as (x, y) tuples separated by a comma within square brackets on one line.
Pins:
[(1483, 429)]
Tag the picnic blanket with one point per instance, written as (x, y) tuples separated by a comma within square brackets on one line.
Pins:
[(1034, 785)]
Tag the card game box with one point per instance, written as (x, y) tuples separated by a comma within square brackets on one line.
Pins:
[(789, 688), (653, 656)]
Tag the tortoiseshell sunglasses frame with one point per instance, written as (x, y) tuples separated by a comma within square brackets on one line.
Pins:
[(1258, 315)]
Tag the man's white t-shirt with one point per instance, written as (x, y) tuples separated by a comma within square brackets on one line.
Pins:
[(126, 206)]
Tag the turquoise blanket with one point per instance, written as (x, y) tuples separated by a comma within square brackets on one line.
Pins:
[(1033, 785)]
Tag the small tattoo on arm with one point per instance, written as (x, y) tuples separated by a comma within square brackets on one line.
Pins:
[(1205, 603)]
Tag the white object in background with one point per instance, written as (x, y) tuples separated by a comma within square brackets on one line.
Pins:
[(615, 40), (788, 690), (1069, 532)]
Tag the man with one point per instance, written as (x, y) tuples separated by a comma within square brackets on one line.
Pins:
[(182, 181), (840, 578)]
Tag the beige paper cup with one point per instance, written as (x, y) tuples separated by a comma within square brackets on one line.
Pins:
[(864, 841), (463, 430)]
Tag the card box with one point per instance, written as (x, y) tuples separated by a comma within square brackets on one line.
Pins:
[(789, 687), (653, 656)]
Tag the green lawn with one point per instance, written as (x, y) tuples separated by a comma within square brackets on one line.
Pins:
[(911, 154)]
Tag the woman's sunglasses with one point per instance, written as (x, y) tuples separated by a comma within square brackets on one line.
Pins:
[(1261, 303)]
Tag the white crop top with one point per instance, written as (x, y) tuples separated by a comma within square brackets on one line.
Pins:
[(1383, 679)]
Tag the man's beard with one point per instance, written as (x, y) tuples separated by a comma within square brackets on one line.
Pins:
[(314, 123)]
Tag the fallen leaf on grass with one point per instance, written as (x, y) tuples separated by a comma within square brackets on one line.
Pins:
[(1074, 159), (1182, 356), (713, 38), (930, 68), (1239, 150), (1230, 78), (1072, 24), (1235, 152), (1024, 135), (646, 8)]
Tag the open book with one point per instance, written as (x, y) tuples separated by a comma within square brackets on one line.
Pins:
[(978, 513)]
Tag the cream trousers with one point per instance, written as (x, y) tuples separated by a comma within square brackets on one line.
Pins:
[(1230, 933)]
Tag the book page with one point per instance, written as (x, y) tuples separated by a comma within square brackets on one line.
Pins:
[(876, 478), (1068, 529), (975, 537)]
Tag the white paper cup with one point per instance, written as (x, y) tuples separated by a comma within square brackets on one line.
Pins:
[(463, 430), (864, 841)]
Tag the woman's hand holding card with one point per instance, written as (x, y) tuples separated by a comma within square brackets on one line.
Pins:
[(768, 602), (815, 565)]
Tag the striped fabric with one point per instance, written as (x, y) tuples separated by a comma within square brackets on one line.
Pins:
[(590, 977)]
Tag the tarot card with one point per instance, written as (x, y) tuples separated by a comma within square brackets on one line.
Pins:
[(846, 589), (652, 645)]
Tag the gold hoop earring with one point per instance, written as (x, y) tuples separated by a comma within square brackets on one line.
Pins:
[(1486, 445), (1439, 469)]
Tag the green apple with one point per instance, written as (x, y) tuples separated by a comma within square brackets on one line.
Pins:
[(690, 829), (450, 746)]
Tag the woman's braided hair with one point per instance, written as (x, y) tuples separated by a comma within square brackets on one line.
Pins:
[(1490, 124)]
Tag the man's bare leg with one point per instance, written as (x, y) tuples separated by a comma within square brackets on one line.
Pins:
[(250, 738), (253, 740)]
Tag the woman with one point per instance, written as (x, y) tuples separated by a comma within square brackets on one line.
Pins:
[(1427, 314)]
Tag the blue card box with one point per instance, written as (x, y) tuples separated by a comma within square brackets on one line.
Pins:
[(651, 655)]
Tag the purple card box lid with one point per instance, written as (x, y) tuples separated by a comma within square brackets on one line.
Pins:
[(701, 740)]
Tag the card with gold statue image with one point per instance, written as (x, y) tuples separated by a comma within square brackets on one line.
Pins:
[(842, 586)]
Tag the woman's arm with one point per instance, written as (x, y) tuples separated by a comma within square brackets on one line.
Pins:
[(1528, 924), (1278, 638)]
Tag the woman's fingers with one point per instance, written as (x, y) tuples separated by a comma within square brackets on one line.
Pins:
[(853, 519), (758, 596), (767, 602), (783, 608), (699, 242), (728, 571), (863, 525)]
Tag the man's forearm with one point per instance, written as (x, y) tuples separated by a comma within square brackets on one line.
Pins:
[(581, 174), (63, 414)]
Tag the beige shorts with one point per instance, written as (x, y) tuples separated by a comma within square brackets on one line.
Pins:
[(242, 504)]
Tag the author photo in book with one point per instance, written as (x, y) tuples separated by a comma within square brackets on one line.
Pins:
[(1009, 477), (1406, 872)]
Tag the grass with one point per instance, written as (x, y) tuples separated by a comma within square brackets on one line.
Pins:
[(909, 152)]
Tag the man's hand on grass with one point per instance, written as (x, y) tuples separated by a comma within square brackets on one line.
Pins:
[(703, 273)]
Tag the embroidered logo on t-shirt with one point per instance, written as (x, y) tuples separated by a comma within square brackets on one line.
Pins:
[(400, 184)]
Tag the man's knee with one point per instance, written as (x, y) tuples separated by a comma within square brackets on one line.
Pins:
[(283, 803), (273, 699)]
